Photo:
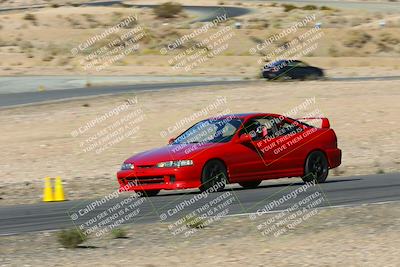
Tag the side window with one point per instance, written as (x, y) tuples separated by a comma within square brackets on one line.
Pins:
[(297, 64), (287, 128), (258, 128), (229, 130), (301, 64), (270, 127), (293, 64)]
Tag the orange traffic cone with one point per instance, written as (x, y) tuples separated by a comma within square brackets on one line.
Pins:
[(48, 191), (58, 190)]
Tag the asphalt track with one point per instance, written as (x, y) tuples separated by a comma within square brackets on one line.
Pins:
[(15, 99), (342, 191), (25, 98)]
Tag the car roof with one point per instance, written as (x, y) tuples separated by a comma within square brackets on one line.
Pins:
[(245, 115), (277, 62)]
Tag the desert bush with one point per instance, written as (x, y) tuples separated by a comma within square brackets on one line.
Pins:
[(168, 10), (119, 233), (357, 39), (288, 7), (48, 58), (256, 39), (333, 51), (309, 7), (192, 221), (54, 50), (71, 238), (325, 8), (62, 61), (388, 38), (355, 22), (26, 45), (382, 47), (30, 16), (74, 23)]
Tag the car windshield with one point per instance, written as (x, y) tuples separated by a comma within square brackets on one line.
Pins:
[(276, 63), (219, 130)]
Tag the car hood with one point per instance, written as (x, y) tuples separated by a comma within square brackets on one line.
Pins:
[(170, 152)]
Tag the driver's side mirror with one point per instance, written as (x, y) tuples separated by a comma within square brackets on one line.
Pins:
[(170, 141), (244, 139)]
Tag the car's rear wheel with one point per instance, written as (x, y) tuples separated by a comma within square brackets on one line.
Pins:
[(148, 193), (214, 176), (311, 77), (316, 167), (252, 184)]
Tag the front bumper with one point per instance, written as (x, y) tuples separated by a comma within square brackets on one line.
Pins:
[(159, 178), (268, 75)]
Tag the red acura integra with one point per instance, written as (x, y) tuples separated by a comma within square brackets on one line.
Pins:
[(236, 148)]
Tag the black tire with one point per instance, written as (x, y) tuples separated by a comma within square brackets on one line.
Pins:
[(316, 167), (248, 185), (214, 176), (148, 193), (314, 74), (311, 77), (282, 78)]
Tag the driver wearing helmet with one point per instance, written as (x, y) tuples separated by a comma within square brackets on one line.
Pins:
[(256, 130)]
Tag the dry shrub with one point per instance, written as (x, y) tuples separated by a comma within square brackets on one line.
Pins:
[(168, 10), (356, 39)]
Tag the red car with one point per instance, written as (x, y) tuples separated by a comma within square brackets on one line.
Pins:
[(236, 148)]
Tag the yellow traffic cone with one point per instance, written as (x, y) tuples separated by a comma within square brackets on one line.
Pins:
[(58, 190), (48, 191)]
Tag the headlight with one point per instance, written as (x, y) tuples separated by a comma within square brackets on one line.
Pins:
[(175, 163), (127, 166)]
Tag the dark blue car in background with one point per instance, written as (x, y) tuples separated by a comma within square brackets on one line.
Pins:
[(291, 69)]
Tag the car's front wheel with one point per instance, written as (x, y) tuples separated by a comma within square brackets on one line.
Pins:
[(252, 184), (316, 167), (214, 176)]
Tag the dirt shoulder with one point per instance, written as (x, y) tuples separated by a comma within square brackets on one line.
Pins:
[(38, 141), (353, 236)]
